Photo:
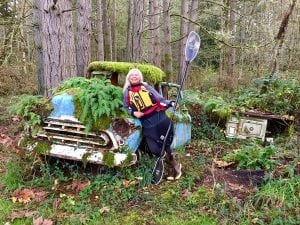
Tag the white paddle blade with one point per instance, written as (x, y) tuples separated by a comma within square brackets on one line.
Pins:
[(192, 46)]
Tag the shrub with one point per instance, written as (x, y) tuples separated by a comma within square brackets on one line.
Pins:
[(253, 157)]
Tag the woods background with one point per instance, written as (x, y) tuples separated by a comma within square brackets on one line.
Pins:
[(46, 41)]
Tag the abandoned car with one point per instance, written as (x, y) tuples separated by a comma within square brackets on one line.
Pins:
[(89, 131)]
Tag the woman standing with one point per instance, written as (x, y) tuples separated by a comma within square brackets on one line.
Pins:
[(144, 102)]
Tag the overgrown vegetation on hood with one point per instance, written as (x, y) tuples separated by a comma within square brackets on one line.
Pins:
[(96, 101)]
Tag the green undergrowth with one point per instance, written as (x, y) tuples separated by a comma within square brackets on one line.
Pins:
[(253, 157), (276, 202), (271, 95), (13, 176), (126, 195), (34, 109)]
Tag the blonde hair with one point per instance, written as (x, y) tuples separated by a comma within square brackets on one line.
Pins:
[(136, 71)]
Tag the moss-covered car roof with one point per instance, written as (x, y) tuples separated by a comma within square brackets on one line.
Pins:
[(152, 74)]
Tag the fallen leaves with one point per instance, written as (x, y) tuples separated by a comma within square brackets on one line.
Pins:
[(222, 164), (104, 209), (6, 140), (128, 183), (9, 143), (21, 214), (186, 193), (23, 196), (77, 186), (42, 221), (26, 195)]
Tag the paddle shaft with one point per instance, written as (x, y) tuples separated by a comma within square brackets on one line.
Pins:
[(174, 108)]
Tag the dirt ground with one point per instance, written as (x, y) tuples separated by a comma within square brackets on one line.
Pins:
[(235, 183)]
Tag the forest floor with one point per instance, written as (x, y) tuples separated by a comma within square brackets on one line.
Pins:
[(63, 192)]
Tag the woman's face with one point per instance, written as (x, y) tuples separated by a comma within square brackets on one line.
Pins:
[(134, 78)]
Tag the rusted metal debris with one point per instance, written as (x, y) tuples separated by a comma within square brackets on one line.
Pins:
[(265, 115)]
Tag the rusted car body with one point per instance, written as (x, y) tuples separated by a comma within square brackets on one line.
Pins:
[(116, 146)]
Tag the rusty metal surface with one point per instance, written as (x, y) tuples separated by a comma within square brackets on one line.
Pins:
[(121, 127), (263, 115)]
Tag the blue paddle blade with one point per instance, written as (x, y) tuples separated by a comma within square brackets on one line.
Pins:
[(158, 171), (192, 46)]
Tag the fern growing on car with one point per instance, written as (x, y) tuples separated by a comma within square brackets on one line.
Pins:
[(96, 101)]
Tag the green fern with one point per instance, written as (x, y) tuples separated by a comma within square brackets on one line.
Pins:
[(33, 109), (96, 102)]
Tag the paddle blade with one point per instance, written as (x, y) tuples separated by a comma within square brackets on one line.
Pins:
[(158, 171), (192, 46)]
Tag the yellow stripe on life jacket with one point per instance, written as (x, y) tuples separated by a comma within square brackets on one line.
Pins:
[(141, 99)]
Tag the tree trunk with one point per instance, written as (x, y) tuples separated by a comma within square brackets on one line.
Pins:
[(150, 42), (58, 43), (138, 23), (183, 35), (232, 33), (100, 31), (194, 14), (223, 48), (280, 38), (114, 30), (167, 59), (106, 32), (129, 39), (83, 44), (154, 41), (37, 25)]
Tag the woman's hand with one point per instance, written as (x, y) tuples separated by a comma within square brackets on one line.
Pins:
[(138, 114), (173, 105)]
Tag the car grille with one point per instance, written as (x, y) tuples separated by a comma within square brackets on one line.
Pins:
[(73, 134)]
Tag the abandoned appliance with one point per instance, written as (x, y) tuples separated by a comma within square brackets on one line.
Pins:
[(264, 126)]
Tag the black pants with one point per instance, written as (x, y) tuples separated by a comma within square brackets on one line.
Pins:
[(156, 132)]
